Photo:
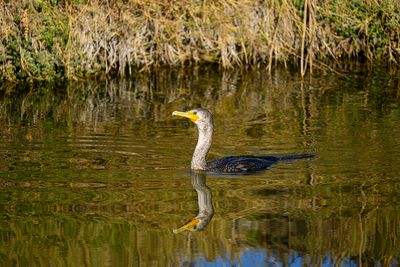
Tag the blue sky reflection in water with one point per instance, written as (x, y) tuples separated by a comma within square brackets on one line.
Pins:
[(257, 257), (96, 173)]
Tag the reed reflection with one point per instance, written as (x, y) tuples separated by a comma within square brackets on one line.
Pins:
[(204, 202)]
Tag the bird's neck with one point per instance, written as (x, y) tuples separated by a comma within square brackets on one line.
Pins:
[(204, 141), (204, 199)]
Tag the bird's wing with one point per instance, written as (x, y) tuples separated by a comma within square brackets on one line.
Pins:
[(240, 164)]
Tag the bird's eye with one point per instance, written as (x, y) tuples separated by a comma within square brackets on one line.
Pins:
[(194, 112)]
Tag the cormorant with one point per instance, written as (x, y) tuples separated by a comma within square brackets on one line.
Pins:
[(231, 164)]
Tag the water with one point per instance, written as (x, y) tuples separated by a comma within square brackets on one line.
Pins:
[(96, 173)]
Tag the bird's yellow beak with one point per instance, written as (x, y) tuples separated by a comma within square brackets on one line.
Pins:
[(191, 115), (188, 226)]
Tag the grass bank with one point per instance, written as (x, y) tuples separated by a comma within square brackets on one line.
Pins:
[(50, 39)]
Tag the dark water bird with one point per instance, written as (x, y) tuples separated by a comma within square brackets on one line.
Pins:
[(232, 164), (204, 202)]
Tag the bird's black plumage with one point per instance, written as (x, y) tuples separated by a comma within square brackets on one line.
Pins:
[(249, 163), (241, 164)]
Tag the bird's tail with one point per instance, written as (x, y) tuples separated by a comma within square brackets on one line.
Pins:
[(297, 156)]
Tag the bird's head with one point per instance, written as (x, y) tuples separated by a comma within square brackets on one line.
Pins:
[(197, 115)]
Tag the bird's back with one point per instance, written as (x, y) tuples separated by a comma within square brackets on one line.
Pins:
[(241, 164)]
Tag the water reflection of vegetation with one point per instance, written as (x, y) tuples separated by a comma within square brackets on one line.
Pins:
[(347, 210), (80, 222), (327, 223), (263, 97)]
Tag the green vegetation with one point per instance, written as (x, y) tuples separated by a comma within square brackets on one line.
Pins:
[(51, 39)]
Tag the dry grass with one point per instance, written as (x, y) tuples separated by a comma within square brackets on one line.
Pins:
[(47, 39)]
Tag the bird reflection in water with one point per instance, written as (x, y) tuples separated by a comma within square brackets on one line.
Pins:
[(204, 201)]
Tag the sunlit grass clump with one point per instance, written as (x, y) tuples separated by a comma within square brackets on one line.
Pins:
[(49, 39)]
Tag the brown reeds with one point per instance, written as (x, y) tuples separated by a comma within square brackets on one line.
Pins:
[(49, 39)]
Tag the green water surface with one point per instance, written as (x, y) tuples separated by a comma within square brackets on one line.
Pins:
[(97, 173)]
